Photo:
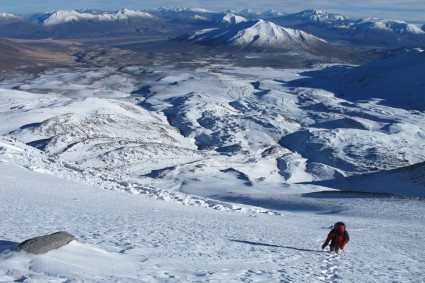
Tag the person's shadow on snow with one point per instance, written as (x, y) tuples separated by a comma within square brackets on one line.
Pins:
[(7, 245), (275, 246)]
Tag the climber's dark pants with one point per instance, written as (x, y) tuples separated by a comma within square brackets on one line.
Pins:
[(334, 245)]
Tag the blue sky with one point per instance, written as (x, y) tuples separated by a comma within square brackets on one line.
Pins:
[(409, 10)]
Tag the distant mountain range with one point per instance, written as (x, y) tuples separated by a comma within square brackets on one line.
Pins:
[(321, 18), (175, 21), (374, 32), (64, 17)]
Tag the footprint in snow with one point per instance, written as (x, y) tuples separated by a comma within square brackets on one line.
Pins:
[(330, 269)]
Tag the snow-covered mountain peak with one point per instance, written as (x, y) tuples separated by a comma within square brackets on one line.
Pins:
[(179, 9), (132, 13), (314, 12), (233, 18), (259, 33), (186, 14), (320, 16), (396, 26), (273, 13), (5, 17), (267, 29), (200, 10), (64, 16)]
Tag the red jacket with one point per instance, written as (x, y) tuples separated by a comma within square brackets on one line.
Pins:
[(341, 239)]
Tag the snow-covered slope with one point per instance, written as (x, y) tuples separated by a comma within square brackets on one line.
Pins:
[(205, 171), (98, 139), (131, 238), (255, 34), (253, 127), (70, 16), (195, 173)]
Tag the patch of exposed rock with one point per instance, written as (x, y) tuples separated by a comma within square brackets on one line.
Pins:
[(46, 243)]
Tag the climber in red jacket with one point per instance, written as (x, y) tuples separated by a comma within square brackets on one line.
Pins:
[(338, 236)]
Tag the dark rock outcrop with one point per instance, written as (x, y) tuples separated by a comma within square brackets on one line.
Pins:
[(44, 244)]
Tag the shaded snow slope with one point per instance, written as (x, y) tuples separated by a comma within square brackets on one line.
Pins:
[(408, 180), (399, 78), (396, 80)]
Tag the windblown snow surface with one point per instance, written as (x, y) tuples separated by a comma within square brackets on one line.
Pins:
[(212, 175)]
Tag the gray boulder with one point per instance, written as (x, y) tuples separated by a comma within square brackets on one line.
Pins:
[(43, 244)]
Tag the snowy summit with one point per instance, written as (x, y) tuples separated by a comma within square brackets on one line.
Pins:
[(259, 33), (318, 16), (231, 18)]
